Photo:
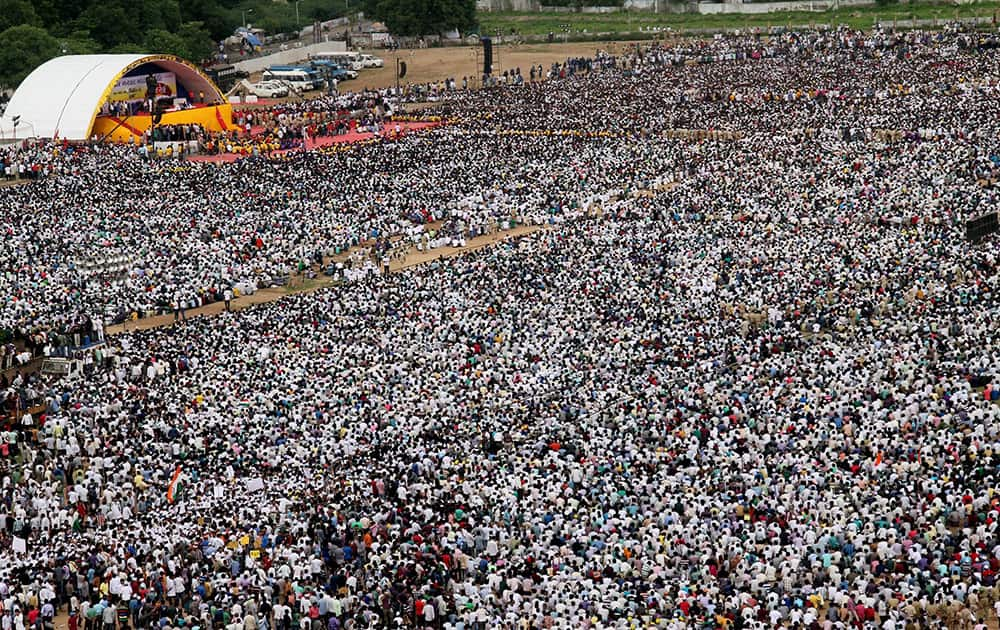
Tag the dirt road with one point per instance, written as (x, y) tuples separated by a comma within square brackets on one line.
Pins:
[(298, 285), (436, 64)]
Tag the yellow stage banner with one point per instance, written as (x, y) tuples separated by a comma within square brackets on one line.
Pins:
[(130, 89)]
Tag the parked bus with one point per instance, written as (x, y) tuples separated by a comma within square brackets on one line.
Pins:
[(339, 70), (301, 78), (350, 60)]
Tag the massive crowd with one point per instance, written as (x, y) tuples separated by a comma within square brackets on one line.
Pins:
[(743, 376)]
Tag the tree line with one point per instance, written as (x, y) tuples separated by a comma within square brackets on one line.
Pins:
[(34, 31)]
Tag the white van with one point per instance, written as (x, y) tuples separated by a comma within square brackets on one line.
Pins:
[(269, 89)]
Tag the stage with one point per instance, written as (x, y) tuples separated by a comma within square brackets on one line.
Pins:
[(323, 141), (127, 129)]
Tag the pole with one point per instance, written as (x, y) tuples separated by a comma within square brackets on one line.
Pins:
[(297, 13), (399, 95), (497, 51)]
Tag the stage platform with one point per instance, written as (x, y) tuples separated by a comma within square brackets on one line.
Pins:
[(131, 129), (323, 141)]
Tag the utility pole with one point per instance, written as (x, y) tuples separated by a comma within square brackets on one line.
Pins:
[(496, 51), (475, 68), (399, 95)]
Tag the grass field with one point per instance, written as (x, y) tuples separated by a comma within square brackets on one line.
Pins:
[(582, 24)]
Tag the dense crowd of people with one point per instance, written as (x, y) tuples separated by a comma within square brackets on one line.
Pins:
[(743, 373), (134, 242)]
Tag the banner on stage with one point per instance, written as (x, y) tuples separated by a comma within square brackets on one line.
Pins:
[(131, 89)]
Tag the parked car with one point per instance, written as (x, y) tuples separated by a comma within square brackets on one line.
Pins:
[(340, 71), (269, 89), (371, 61), (279, 87)]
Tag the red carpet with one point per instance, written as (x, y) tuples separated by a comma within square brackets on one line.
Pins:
[(323, 141)]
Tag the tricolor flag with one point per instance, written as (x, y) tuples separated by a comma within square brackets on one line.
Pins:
[(174, 488)]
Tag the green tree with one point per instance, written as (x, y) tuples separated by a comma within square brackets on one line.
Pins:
[(197, 40), (159, 41), (461, 15), (46, 10), (111, 24), (61, 11), (191, 42), (217, 19), (79, 43), (94, 26), (25, 48), (126, 48), (426, 17), (157, 14), (316, 13), (15, 12)]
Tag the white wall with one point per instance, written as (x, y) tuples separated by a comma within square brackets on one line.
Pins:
[(776, 7), (521, 6), (290, 56)]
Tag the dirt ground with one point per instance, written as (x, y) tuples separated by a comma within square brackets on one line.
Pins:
[(435, 64)]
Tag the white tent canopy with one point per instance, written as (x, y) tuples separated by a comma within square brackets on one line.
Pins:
[(62, 97)]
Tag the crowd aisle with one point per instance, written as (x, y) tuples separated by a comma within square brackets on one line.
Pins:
[(746, 378)]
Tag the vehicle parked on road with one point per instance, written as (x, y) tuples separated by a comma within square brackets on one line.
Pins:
[(350, 60), (340, 72), (302, 79), (272, 89)]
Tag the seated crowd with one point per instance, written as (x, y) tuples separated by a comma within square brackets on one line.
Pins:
[(737, 368)]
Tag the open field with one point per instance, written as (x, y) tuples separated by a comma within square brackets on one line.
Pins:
[(612, 29), (581, 24), (435, 64)]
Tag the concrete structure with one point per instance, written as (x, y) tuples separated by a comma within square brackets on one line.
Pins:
[(520, 6), (289, 56), (706, 8)]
